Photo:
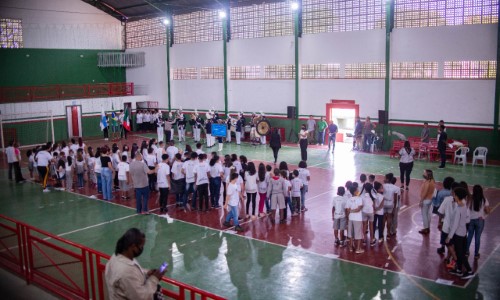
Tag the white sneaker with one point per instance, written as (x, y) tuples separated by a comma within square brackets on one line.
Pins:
[(46, 190)]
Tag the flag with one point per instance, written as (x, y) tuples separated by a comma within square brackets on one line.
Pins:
[(126, 121), (104, 121), (114, 118)]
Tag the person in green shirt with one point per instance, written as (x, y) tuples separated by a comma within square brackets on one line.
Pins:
[(321, 131)]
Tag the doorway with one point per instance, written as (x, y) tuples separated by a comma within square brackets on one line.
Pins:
[(343, 113), (74, 120)]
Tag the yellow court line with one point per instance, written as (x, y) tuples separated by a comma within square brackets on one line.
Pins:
[(429, 293)]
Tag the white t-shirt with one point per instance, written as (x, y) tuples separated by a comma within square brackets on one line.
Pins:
[(288, 185), (303, 174), (163, 172), (74, 147), (43, 158), (65, 150), (339, 202), (216, 170), (150, 160), (159, 152), (478, 214), (354, 203), (389, 191), (262, 185), (199, 151), (11, 154), (233, 191), (98, 165), (296, 186), (177, 170), (139, 117), (227, 171), (367, 204), (378, 199), (172, 151), (251, 183), (201, 170), (237, 165), (188, 167), (123, 168), (447, 208)]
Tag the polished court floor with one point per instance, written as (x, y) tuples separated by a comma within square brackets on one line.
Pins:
[(297, 260)]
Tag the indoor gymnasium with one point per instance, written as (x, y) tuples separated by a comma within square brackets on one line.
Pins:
[(249, 149)]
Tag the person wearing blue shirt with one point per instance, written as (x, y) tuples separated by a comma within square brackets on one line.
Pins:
[(332, 134)]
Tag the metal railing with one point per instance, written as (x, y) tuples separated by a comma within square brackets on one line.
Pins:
[(65, 91), (67, 269)]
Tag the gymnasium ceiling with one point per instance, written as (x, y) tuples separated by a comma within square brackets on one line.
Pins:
[(142, 9)]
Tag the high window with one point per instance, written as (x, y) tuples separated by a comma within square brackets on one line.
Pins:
[(320, 71), (365, 71), (476, 69), (198, 26), (414, 70), (11, 33)]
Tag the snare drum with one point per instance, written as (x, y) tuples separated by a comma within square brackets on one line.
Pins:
[(248, 128)]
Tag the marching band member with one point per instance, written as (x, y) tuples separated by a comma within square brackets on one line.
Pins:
[(208, 129), (239, 127), (181, 126), (228, 129), (168, 127), (196, 123), (159, 127), (262, 137)]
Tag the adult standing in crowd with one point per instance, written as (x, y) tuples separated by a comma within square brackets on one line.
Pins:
[(275, 143), (321, 131), (358, 135), (125, 278), (406, 155), (426, 194), (107, 171), (43, 159), (424, 135), (332, 135), (13, 158), (311, 127), (139, 173), (303, 142), (367, 134), (442, 142)]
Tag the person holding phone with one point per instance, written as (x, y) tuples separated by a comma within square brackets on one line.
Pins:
[(125, 278)]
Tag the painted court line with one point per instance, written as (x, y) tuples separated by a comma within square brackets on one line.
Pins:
[(97, 225)]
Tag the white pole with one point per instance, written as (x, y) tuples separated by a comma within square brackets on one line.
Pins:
[(52, 126)]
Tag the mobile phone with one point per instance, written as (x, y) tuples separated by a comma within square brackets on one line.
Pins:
[(163, 267)]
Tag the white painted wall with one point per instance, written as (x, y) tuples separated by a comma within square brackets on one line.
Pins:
[(461, 101), (64, 24), (58, 108)]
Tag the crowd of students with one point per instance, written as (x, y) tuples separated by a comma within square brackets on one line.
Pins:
[(369, 209)]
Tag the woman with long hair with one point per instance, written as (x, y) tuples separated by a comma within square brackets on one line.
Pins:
[(368, 212), (426, 194), (216, 172), (478, 207), (262, 182), (406, 155)]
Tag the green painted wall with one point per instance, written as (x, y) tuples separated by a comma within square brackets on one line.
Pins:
[(26, 67)]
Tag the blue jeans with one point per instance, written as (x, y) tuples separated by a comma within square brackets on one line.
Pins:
[(321, 137), (80, 180), (331, 141), (215, 183), (233, 213), (190, 188), (107, 181), (99, 182), (303, 192), (476, 227), (141, 199)]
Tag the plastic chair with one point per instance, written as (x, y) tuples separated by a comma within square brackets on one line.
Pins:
[(480, 154), (462, 156)]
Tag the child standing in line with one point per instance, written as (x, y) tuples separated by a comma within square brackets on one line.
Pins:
[(201, 172), (368, 212), (61, 174), (371, 179), (69, 173), (354, 229), (362, 180), (296, 187), (339, 216), (288, 185), (162, 179), (447, 211), (276, 194), (305, 176), (232, 202), (123, 177), (262, 182), (80, 168), (378, 207)]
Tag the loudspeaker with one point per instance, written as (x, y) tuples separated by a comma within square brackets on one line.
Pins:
[(383, 117), (290, 112)]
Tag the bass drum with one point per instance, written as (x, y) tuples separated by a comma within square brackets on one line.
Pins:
[(263, 127)]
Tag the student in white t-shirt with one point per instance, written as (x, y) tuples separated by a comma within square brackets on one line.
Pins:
[(368, 211), (172, 151), (295, 191), (378, 207), (201, 171), (288, 187), (178, 182), (339, 216), (216, 173), (233, 196), (305, 176), (123, 177), (355, 226), (162, 179), (390, 200), (188, 171)]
